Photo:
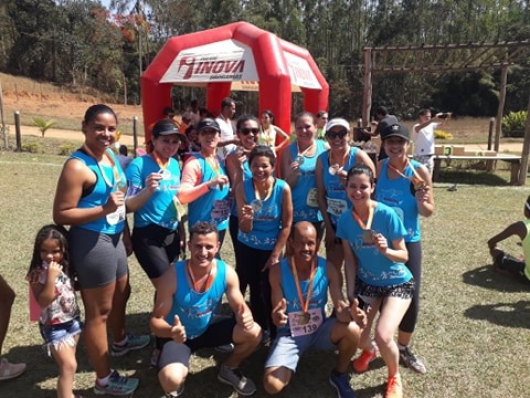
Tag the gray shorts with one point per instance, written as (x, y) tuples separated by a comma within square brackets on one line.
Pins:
[(97, 259), (287, 350)]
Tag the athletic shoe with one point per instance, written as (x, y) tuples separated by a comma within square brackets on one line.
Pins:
[(133, 343), (341, 383), (235, 378), (411, 361), (225, 348), (174, 394), (117, 385), (394, 387), (9, 371), (362, 362)]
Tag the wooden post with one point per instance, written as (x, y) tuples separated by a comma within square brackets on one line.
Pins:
[(367, 86), (500, 110), (18, 134), (3, 127), (526, 149), (135, 134), (490, 133)]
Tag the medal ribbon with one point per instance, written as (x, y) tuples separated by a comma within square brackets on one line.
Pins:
[(158, 161), (416, 179), (343, 160), (304, 304), (258, 196), (368, 225), (214, 165), (305, 150), (207, 282), (117, 179)]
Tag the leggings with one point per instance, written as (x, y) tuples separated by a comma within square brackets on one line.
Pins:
[(408, 323), (249, 264)]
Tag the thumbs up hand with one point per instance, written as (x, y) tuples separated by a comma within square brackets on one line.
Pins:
[(244, 317), (178, 331), (278, 313)]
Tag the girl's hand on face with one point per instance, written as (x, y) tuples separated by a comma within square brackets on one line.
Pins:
[(54, 270)]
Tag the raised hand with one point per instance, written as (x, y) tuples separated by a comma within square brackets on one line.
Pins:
[(115, 200), (244, 317), (278, 313), (152, 182), (178, 331)]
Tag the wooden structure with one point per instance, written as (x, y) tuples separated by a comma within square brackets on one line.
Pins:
[(449, 58)]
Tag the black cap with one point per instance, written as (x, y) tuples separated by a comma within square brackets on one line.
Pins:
[(208, 123), (166, 127), (396, 130)]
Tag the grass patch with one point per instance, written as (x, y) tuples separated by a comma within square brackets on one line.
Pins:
[(474, 326)]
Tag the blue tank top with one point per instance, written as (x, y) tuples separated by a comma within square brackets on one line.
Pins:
[(247, 175), (213, 206), (305, 205), (374, 268), (101, 192), (196, 310), (336, 196), (397, 194), (160, 208), (267, 220), (319, 296)]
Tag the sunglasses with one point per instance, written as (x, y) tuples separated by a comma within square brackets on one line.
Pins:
[(247, 131), (334, 134)]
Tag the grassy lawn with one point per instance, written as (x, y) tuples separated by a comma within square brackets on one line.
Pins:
[(473, 332)]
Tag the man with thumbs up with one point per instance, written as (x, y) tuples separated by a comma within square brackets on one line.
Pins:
[(183, 316), (300, 284)]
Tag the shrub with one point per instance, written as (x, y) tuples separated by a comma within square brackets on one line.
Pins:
[(513, 124), (32, 147), (43, 124), (67, 149), (442, 135)]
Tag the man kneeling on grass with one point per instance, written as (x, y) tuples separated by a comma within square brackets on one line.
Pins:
[(183, 316), (299, 294)]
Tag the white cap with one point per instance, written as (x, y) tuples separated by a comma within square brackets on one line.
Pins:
[(338, 121)]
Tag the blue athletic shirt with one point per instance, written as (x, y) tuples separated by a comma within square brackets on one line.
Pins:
[(196, 310), (396, 194), (247, 175), (267, 221), (101, 192), (213, 206), (336, 196), (159, 208), (319, 297), (302, 211), (374, 268)]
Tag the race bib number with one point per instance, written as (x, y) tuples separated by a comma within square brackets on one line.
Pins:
[(304, 323), (221, 209), (337, 206), (312, 200), (117, 216)]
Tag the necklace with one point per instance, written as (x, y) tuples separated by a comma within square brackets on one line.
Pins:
[(194, 281)]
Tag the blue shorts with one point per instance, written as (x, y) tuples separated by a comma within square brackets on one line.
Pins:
[(57, 335), (287, 350)]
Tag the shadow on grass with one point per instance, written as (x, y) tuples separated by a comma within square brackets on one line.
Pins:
[(472, 177), (486, 277), (514, 315)]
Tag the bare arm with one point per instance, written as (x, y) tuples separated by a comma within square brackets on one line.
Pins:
[(245, 213), (163, 303), (397, 252), (362, 157), (517, 228), (287, 220), (285, 139), (425, 196), (350, 269), (279, 316), (236, 300), (289, 173), (322, 202)]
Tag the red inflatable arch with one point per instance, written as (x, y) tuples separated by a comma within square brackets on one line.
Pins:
[(237, 56)]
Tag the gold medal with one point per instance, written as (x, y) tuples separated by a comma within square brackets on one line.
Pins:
[(304, 318), (419, 184), (368, 236)]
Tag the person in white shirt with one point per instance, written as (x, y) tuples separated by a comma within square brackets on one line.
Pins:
[(228, 137), (423, 136)]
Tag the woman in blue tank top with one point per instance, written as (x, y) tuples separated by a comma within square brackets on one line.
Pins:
[(154, 180), (237, 166), (265, 215), (331, 171), (90, 198), (405, 185), (298, 164)]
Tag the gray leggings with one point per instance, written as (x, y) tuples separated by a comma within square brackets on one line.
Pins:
[(97, 258)]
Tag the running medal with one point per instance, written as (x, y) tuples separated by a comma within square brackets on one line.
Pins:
[(418, 183), (300, 160), (333, 170), (164, 173), (304, 318), (257, 205), (368, 236)]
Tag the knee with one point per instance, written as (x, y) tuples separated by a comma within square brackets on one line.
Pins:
[(353, 332), (171, 377), (69, 367), (273, 384), (383, 339)]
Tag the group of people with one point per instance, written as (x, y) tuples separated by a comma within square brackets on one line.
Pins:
[(277, 216)]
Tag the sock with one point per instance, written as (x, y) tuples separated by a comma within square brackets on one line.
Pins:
[(104, 381), (401, 347), (122, 343)]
